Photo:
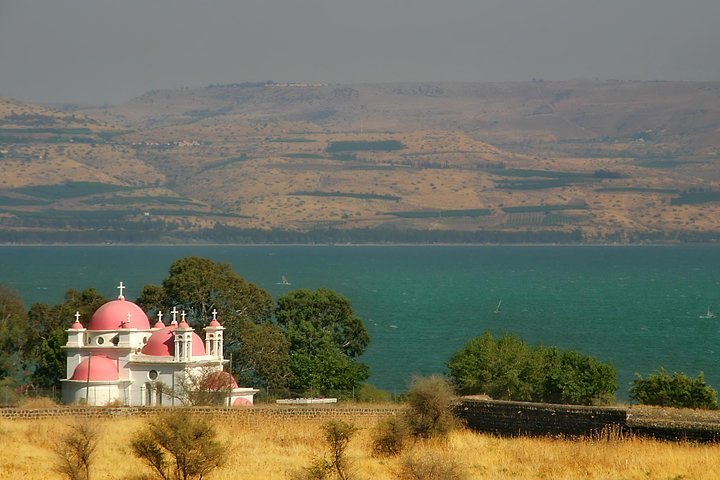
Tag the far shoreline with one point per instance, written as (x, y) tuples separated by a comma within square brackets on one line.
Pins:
[(356, 245)]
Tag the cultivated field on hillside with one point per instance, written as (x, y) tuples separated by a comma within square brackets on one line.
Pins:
[(640, 159)]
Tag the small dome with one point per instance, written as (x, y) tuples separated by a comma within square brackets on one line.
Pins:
[(114, 315), (159, 324), (96, 368), (242, 402), (77, 325), (214, 323), (219, 381), (162, 343)]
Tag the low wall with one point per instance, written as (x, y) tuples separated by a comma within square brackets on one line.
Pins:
[(538, 419), (521, 418), (246, 413)]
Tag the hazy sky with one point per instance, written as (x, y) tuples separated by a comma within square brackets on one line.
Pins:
[(108, 51)]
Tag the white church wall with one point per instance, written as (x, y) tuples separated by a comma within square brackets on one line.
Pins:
[(92, 393)]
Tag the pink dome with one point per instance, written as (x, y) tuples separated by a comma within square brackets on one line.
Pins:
[(162, 343), (97, 367), (114, 314), (242, 402), (214, 323), (219, 381), (77, 325)]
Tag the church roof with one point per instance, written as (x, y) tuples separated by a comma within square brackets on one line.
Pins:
[(96, 368), (162, 343), (114, 315), (219, 381)]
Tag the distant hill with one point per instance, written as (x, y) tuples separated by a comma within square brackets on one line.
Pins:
[(580, 161)]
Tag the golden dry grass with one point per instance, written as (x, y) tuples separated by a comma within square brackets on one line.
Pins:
[(266, 447)]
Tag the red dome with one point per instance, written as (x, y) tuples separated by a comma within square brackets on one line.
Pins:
[(162, 343), (219, 381), (100, 368), (242, 402), (114, 314)]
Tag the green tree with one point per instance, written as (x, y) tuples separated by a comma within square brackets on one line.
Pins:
[(505, 368), (509, 369), (676, 390), (571, 377), (151, 299), (51, 360), (15, 337), (324, 367), (199, 285), (260, 350), (328, 312), (325, 337), (262, 355)]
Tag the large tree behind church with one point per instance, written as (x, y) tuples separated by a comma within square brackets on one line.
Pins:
[(326, 338), (200, 285), (259, 348)]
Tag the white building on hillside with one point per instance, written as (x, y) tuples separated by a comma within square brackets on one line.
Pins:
[(120, 359)]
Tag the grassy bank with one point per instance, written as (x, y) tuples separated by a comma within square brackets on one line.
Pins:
[(266, 447)]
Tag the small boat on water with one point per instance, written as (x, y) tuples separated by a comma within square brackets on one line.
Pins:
[(497, 309), (283, 281), (709, 314)]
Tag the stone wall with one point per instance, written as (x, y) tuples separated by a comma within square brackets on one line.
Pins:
[(521, 418), (537, 419), (256, 412)]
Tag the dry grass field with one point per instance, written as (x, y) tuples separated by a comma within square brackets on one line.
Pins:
[(265, 447)]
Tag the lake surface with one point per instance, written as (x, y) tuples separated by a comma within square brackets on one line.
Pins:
[(639, 308)]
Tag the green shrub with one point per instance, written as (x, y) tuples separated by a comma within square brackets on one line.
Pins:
[(507, 368), (370, 394), (676, 390)]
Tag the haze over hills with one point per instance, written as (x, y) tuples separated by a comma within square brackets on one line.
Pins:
[(587, 161)]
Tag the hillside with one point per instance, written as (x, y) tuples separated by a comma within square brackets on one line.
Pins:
[(536, 161)]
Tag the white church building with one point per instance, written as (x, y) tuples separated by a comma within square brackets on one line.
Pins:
[(119, 359)]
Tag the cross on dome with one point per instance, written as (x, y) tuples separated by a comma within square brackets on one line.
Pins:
[(214, 314), (121, 287), (159, 315), (77, 316), (182, 315), (174, 312)]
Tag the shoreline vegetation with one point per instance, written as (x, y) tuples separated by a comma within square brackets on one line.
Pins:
[(264, 446)]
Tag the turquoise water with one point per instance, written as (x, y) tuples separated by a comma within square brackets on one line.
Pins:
[(636, 307)]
